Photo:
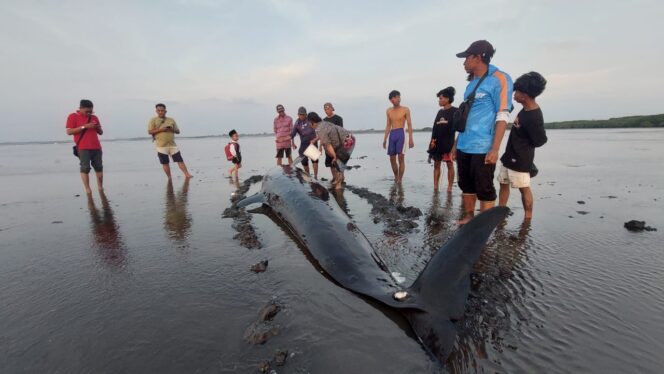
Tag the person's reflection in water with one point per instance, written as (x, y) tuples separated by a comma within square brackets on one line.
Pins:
[(396, 194), (177, 220), (500, 285), (438, 222), (341, 200), (107, 238)]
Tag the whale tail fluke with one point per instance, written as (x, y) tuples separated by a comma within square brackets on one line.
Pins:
[(444, 284)]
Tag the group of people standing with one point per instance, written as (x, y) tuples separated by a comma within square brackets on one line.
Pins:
[(480, 122), (481, 125)]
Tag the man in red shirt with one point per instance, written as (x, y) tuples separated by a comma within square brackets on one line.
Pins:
[(85, 128)]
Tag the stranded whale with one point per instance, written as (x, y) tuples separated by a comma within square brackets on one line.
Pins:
[(431, 304)]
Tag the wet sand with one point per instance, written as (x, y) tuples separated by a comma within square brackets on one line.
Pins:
[(157, 278)]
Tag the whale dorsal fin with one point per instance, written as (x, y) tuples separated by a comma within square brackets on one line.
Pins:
[(445, 283)]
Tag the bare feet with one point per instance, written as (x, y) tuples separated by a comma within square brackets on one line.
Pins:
[(465, 220)]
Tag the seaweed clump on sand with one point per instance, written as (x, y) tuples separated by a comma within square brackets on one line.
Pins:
[(398, 219), (246, 233)]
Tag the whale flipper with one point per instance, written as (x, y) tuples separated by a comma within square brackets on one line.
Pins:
[(444, 283), (258, 198)]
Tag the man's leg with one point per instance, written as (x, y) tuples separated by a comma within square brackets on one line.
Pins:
[(164, 161), (467, 186), (290, 157), (85, 178), (84, 157), (315, 169), (504, 194), (395, 167), (100, 180), (450, 175), (98, 166), (402, 167), (527, 200), (167, 170), (183, 167), (484, 176), (436, 175), (469, 202), (486, 205)]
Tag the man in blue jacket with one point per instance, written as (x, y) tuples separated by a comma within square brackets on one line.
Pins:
[(478, 146)]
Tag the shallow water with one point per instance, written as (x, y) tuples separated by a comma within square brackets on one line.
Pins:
[(152, 280)]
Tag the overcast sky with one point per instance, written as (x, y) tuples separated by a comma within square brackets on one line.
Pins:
[(220, 65)]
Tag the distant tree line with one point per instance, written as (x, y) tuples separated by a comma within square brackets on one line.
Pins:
[(656, 120)]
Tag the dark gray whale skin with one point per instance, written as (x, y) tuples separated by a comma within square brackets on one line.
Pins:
[(437, 297)]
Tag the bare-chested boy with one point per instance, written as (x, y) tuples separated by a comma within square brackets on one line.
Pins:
[(397, 117)]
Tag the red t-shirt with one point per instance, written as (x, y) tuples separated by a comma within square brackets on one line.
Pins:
[(91, 139)]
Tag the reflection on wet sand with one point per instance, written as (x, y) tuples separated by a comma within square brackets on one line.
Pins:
[(495, 307), (177, 220), (396, 194), (106, 233)]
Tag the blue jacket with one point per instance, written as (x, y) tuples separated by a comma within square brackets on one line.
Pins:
[(493, 96)]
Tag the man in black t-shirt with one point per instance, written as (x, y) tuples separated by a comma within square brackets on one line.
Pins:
[(337, 120), (526, 134)]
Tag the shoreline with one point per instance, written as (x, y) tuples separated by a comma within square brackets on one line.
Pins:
[(631, 122)]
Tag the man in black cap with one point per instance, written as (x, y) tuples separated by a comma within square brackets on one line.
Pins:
[(477, 147)]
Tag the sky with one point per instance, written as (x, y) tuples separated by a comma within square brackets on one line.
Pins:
[(222, 65)]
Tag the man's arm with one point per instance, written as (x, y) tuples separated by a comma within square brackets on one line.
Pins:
[(503, 104), (410, 129), (387, 128), (176, 129), (492, 156)]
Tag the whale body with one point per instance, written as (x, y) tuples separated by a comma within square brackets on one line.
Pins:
[(434, 301)]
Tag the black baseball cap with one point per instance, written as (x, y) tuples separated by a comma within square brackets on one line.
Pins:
[(480, 47)]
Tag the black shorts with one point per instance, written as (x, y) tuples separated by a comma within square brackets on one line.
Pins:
[(163, 158), (89, 157), (237, 160), (281, 151), (476, 177), (305, 160)]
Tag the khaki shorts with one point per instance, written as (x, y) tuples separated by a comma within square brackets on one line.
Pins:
[(167, 150), (516, 179)]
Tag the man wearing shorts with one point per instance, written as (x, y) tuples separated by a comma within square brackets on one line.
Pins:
[(397, 117), (307, 138), (526, 134), (336, 119), (283, 125), (163, 130), (477, 147), (86, 128)]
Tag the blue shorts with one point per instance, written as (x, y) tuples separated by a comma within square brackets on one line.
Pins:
[(396, 143)]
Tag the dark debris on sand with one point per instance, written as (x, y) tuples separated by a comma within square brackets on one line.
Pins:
[(263, 328), (398, 219), (638, 226), (259, 267), (246, 233)]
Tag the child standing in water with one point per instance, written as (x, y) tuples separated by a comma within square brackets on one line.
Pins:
[(233, 154), (526, 134), (441, 145)]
